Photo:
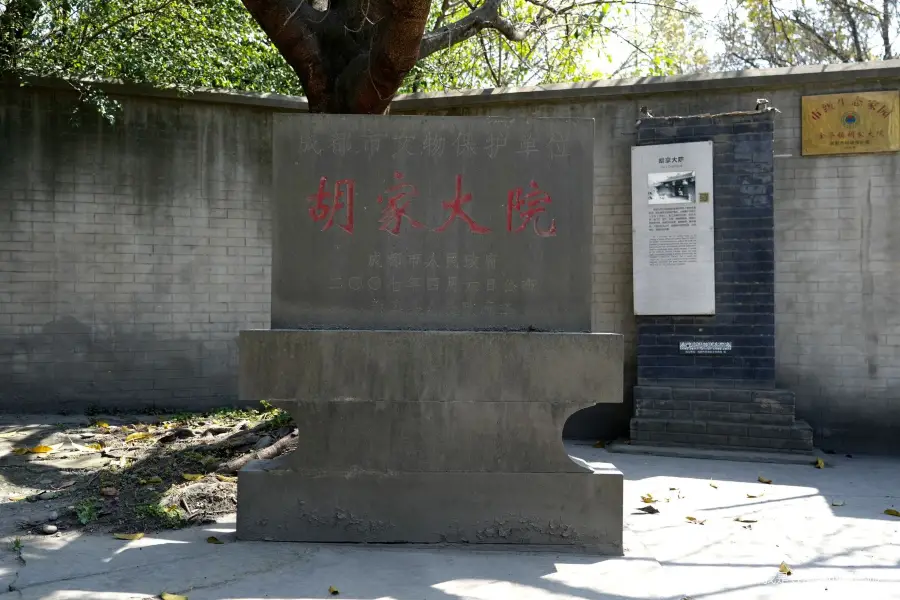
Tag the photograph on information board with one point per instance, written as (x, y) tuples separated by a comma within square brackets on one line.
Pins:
[(672, 188)]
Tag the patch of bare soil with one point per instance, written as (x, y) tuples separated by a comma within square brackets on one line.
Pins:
[(138, 477)]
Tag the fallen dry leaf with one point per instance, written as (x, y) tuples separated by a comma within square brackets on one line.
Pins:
[(892, 511), (759, 495), (95, 446), (599, 444), (128, 536), (168, 596), (20, 451), (226, 478), (17, 498), (650, 510), (837, 502), (695, 520), (333, 590), (40, 449), (109, 491), (214, 540), (102, 424), (648, 499), (762, 479), (784, 568), (744, 520), (712, 485), (138, 435), (820, 464), (192, 476)]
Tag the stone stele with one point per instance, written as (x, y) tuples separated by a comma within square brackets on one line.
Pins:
[(431, 437)]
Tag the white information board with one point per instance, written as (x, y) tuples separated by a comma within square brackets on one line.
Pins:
[(672, 229)]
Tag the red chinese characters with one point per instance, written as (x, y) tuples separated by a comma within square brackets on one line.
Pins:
[(527, 208), (328, 203), (334, 203), (455, 207), (395, 211)]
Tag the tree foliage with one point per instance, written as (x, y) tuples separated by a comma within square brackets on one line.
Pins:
[(548, 42), (180, 43), (783, 33), (667, 41), (345, 55)]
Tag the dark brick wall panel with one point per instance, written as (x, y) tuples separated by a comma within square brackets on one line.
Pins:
[(745, 260)]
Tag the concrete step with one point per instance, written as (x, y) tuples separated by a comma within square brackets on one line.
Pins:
[(759, 418), (707, 404), (720, 434)]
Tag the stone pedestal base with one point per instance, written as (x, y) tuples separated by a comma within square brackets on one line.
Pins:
[(571, 509), (428, 437)]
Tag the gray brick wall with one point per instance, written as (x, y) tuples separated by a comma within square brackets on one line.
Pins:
[(837, 246), (88, 316), (130, 255)]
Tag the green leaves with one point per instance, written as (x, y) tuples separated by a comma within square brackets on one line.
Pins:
[(180, 43)]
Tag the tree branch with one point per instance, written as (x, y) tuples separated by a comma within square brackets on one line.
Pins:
[(821, 39), (486, 16), (845, 10), (131, 15)]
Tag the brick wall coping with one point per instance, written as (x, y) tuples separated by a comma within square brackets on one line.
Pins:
[(748, 79)]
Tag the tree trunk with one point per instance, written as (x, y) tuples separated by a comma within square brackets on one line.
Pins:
[(351, 57)]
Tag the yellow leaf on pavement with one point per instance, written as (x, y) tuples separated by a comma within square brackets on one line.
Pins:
[(95, 446), (784, 568), (138, 435), (168, 596), (648, 499), (695, 520), (192, 476), (40, 450), (214, 540), (333, 590), (102, 424), (20, 451), (17, 498), (226, 478), (128, 536), (820, 464), (762, 479), (892, 511)]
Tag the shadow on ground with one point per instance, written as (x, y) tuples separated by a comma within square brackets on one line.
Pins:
[(137, 486)]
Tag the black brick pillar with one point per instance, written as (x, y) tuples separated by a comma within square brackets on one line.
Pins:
[(708, 381), (745, 262)]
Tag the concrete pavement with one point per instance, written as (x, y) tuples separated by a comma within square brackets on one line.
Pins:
[(833, 550)]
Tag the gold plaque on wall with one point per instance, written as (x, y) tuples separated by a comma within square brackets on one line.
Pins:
[(854, 123)]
